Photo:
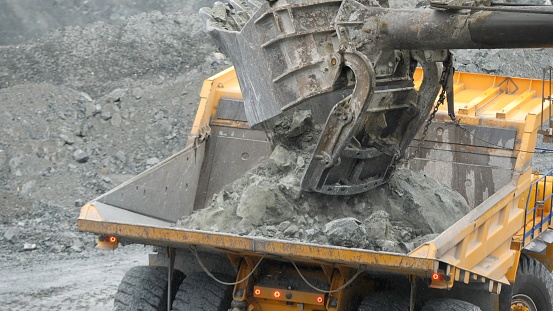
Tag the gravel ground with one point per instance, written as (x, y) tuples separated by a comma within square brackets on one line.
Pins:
[(86, 108), (94, 92), (85, 282)]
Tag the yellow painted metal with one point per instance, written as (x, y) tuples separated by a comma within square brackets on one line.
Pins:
[(337, 300), (287, 299), (537, 204), (310, 253), (481, 243), (487, 97), (241, 290), (89, 212), (445, 282), (221, 85)]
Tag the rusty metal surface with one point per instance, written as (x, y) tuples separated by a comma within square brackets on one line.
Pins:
[(275, 44), (166, 191), (231, 109), (474, 168), (431, 29), (230, 153)]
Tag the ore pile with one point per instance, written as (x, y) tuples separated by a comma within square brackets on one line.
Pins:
[(85, 109), (268, 201)]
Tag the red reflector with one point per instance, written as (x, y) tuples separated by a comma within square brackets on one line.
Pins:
[(257, 292), (437, 277), (112, 239), (320, 299), (276, 294)]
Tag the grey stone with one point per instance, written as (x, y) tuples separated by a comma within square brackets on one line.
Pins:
[(85, 97), (418, 209), (472, 68), (281, 157), (284, 225), (262, 204), (348, 232), (152, 161), (106, 115), (164, 127), (494, 62), (272, 230), (290, 185), (388, 246), (77, 246), (61, 115), (359, 208), (57, 248), (137, 93), (378, 225), (11, 234), (68, 140), (115, 95), (253, 204), (79, 203), (90, 109), (29, 246), (116, 120), (14, 164), (291, 230), (28, 187), (80, 156), (300, 162), (301, 122), (121, 156)]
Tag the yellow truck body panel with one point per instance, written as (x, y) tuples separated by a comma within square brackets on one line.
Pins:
[(483, 246)]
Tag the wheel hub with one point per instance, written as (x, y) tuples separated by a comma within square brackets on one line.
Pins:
[(522, 302)]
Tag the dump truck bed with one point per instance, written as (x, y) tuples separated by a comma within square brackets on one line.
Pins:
[(135, 228), (480, 246)]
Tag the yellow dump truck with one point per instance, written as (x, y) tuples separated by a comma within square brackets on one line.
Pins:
[(497, 257), (371, 76)]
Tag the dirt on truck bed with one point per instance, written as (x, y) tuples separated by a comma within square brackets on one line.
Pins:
[(268, 201)]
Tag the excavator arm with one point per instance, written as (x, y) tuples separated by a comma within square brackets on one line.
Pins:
[(288, 52)]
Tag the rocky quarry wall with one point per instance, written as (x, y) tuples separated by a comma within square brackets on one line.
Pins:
[(88, 106)]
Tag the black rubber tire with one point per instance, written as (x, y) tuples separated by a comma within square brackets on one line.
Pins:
[(534, 281), (199, 292), (389, 301), (144, 288), (447, 304)]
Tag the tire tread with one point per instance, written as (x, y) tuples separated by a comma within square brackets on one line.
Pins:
[(448, 304), (199, 292), (531, 273), (144, 288), (389, 301)]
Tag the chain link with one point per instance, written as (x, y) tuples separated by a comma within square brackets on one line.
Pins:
[(443, 82)]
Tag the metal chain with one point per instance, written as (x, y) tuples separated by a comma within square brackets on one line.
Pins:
[(446, 71), (440, 102)]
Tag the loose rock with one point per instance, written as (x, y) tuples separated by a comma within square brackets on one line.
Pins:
[(29, 247), (348, 232), (80, 156), (388, 218)]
